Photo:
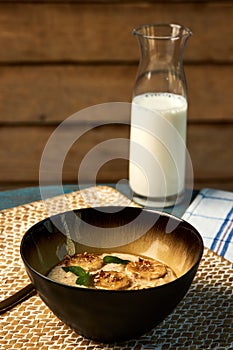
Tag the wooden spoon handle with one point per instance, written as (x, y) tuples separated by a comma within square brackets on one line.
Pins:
[(17, 298)]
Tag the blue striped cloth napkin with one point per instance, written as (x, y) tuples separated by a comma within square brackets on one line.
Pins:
[(211, 213)]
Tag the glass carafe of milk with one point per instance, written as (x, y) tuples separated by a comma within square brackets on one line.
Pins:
[(159, 117)]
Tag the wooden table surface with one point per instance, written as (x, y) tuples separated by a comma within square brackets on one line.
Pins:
[(16, 197)]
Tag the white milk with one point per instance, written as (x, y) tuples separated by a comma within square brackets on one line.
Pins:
[(158, 145)]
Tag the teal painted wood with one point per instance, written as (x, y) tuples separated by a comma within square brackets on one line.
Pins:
[(13, 198)]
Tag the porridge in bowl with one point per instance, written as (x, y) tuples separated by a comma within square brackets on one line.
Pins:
[(115, 271)]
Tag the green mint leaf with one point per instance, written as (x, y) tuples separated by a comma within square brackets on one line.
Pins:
[(84, 278), (110, 259), (77, 270)]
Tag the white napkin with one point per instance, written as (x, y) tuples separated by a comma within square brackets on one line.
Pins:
[(211, 213)]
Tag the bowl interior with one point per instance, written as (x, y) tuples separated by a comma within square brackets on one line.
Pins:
[(112, 229)]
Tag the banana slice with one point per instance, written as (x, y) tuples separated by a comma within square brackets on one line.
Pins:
[(87, 261), (113, 280), (147, 269)]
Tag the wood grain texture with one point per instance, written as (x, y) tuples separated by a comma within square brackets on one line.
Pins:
[(52, 93), (21, 148), (60, 57), (58, 32)]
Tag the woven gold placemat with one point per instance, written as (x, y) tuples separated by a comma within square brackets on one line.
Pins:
[(203, 320)]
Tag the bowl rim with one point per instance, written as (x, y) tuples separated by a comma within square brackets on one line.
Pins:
[(96, 290)]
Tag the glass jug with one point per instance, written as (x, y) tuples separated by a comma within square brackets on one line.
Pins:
[(159, 117)]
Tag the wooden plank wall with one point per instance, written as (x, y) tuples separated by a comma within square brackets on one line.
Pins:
[(58, 57)]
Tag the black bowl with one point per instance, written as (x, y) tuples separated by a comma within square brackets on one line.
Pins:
[(106, 315)]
